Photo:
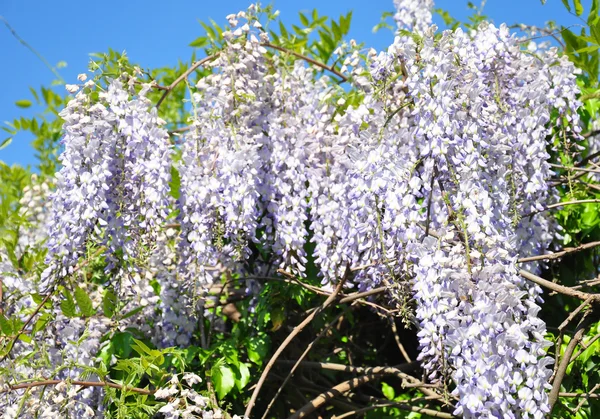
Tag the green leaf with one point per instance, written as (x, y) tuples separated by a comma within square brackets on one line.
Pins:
[(590, 48), (24, 103), (222, 378), (121, 344), (345, 22), (199, 42), (244, 378), (284, 32), (257, 348), (132, 312), (109, 302), (566, 3), (140, 347), (84, 302), (67, 305), (304, 19), (175, 183), (6, 142), (5, 326), (593, 17), (578, 7), (388, 391)]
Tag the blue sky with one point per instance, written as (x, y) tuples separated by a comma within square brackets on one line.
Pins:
[(157, 34)]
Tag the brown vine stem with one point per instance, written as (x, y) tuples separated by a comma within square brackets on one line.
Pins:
[(43, 302), (577, 395), (397, 338), (399, 405), (203, 61), (557, 255), (307, 59), (398, 371), (564, 363), (562, 204), (338, 390), (584, 346), (575, 168), (561, 289), (184, 76), (44, 383), (289, 338)]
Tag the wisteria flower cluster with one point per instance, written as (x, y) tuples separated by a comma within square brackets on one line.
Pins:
[(432, 186), (113, 187)]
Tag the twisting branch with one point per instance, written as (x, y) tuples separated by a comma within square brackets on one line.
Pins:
[(204, 60), (370, 374), (561, 289), (575, 168), (584, 346), (184, 76), (398, 371), (44, 383), (335, 391), (586, 320), (289, 338), (562, 204), (558, 255), (300, 359), (307, 59)]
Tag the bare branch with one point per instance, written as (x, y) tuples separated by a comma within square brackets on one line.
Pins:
[(566, 360), (562, 204), (559, 254), (289, 338), (307, 59), (561, 289), (300, 359), (44, 383), (184, 76)]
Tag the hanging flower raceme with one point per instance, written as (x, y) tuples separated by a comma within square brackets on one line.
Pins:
[(222, 160), (482, 110), (114, 183)]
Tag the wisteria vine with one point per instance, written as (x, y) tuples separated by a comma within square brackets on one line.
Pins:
[(432, 186)]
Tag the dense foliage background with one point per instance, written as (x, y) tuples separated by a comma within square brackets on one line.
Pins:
[(121, 338)]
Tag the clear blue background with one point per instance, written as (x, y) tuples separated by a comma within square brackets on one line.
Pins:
[(157, 33)]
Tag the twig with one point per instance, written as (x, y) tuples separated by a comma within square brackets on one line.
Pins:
[(41, 383), (564, 363), (594, 298), (289, 338), (562, 204), (586, 395), (557, 255), (584, 346), (574, 314), (575, 168), (307, 59), (397, 338), (184, 76), (30, 48)]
